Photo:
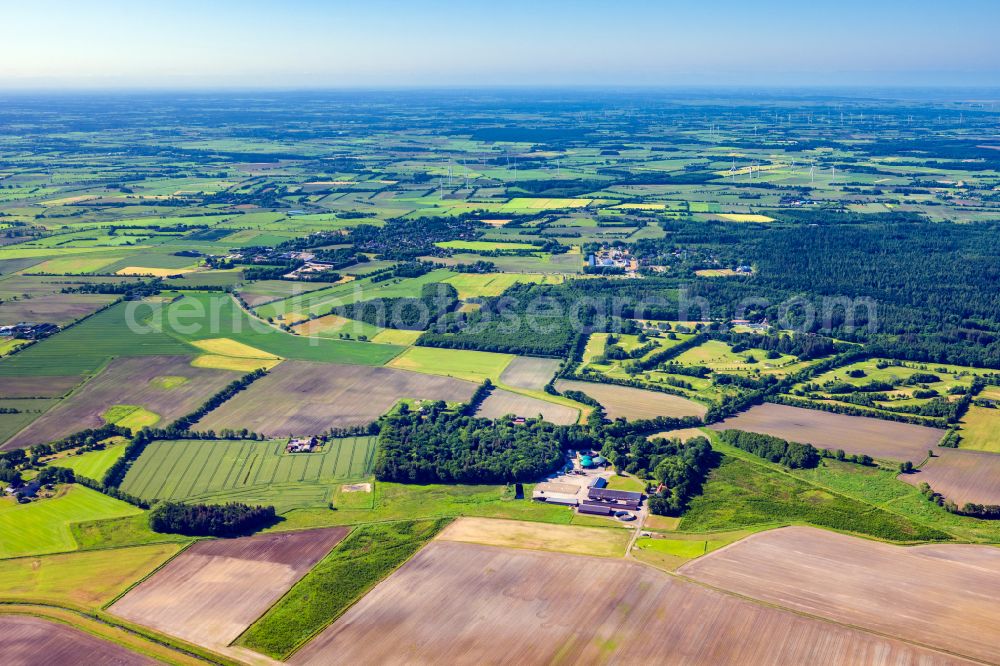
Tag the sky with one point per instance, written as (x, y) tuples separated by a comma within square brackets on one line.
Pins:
[(301, 44)]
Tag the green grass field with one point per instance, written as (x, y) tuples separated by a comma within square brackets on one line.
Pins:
[(460, 363), (43, 526), (357, 564), (209, 316), (86, 346), (248, 471), (981, 429), (92, 464), (470, 285), (88, 579)]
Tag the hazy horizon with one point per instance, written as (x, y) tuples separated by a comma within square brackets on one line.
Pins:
[(385, 44)]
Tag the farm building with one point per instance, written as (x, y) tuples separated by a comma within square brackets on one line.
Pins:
[(619, 499), (598, 482), (557, 493), (595, 509), (301, 445)]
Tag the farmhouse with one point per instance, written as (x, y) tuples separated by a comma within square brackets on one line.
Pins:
[(28, 331), (302, 445)]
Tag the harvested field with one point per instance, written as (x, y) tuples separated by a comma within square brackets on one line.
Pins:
[(935, 596), (633, 403), (824, 430), (203, 594), (126, 381), (528, 372), (961, 476), (456, 603), (599, 541), (302, 397), (58, 309), (32, 641), (501, 403), (37, 387)]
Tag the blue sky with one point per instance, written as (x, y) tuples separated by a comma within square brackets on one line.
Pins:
[(387, 43)]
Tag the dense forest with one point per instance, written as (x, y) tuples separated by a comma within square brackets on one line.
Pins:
[(220, 520), (438, 446)]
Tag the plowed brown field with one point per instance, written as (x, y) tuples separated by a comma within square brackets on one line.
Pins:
[(213, 591)]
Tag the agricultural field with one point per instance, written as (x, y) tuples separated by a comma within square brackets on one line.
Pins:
[(202, 595), (44, 525), (91, 464), (248, 470), (610, 610), (87, 579), (824, 430), (501, 403), (132, 392), (478, 285), (633, 403), (473, 366), (302, 398), (59, 309), (867, 584), (961, 476), (980, 429), (23, 638), (597, 541), (529, 373)]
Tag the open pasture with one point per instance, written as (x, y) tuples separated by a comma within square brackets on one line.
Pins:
[(91, 464), (457, 602), (854, 434), (43, 526), (203, 594), (961, 476), (946, 598), (32, 641), (202, 469), (127, 382), (981, 429), (89, 578), (474, 366), (529, 372), (470, 285), (633, 403), (301, 398), (501, 403), (265, 291), (59, 309)]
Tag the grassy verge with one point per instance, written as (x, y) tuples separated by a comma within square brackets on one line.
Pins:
[(363, 559)]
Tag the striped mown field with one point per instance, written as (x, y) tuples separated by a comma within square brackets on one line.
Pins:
[(242, 470)]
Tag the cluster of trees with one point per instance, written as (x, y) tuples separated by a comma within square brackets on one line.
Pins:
[(408, 239), (774, 449), (414, 314), (680, 468), (219, 520), (437, 446)]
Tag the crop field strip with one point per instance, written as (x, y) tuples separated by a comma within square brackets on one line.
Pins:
[(947, 599), (299, 398), (961, 476), (501, 403), (187, 469), (456, 602), (634, 403), (854, 434), (127, 381)]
